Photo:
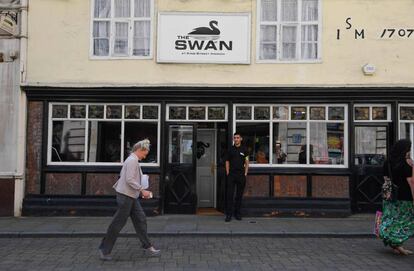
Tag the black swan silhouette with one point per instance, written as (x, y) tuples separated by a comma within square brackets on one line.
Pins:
[(205, 31), (201, 148)]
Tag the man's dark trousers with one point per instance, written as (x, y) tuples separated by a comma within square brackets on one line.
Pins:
[(235, 183), (127, 207)]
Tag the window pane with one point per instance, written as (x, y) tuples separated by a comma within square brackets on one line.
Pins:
[(216, 113), (256, 139), (77, 111), (102, 9), (101, 31), (407, 113), (261, 112), (122, 8), (336, 113), (142, 38), (298, 113), (197, 112), (309, 10), (114, 111), (150, 112), (379, 113), (280, 112), (136, 131), (269, 10), (268, 38), (96, 111), (361, 113), (327, 143), (244, 112), (317, 113), (289, 10), (60, 111), (132, 111), (309, 42), (121, 39), (177, 112), (104, 144), (68, 141), (288, 139), (289, 42), (142, 8), (370, 145)]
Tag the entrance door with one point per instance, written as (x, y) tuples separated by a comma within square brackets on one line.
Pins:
[(206, 167), (371, 149), (180, 181)]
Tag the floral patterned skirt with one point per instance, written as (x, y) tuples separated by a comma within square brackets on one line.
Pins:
[(397, 223)]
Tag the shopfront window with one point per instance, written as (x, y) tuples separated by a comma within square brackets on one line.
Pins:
[(101, 133), (305, 135), (406, 122)]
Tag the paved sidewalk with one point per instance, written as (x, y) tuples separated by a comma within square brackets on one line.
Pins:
[(187, 225)]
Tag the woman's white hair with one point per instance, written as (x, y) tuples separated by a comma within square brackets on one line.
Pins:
[(142, 145)]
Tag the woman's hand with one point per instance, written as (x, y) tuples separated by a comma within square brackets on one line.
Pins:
[(146, 194)]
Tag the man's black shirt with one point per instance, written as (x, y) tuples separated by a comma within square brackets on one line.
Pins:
[(236, 157)]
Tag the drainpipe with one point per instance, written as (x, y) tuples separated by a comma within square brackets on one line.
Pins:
[(19, 188)]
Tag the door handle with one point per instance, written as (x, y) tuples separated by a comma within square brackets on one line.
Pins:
[(212, 168)]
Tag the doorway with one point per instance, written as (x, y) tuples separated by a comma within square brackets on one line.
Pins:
[(194, 173)]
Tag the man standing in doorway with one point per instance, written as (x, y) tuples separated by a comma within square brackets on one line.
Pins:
[(128, 188), (237, 166)]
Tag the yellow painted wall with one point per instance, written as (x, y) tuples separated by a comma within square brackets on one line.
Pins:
[(59, 42)]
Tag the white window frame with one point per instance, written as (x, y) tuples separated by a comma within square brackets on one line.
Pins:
[(279, 25), (307, 121), (187, 106), (370, 106), (122, 120), (406, 121), (112, 20)]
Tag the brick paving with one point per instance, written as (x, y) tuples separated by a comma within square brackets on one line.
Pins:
[(205, 253)]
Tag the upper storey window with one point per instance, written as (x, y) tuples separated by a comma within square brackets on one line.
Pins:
[(122, 28), (288, 30)]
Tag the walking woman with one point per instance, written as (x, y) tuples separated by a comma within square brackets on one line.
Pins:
[(397, 223)]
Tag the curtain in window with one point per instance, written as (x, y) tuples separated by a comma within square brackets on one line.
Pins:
[(142, 8), (122, 8), (309, 42), (319, 143), (269, 10), (142, 34), (102, 9), (101, 38), (268, 40), (309, 10), (121, 38), (289, 42), (289, 10)]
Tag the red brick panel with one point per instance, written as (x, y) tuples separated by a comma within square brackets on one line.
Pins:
[(290, 186), (34, 146), (6, 197), (100, 184), (257, 186), (330, 186), (63, 183)]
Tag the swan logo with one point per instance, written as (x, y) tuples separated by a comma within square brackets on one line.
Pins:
[(203, 39)]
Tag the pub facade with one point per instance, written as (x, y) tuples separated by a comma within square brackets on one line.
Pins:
[(318, 89)]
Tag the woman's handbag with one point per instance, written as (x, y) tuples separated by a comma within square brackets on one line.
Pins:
[(389, 189)]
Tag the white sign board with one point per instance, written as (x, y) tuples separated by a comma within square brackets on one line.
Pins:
[(203, 38)]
